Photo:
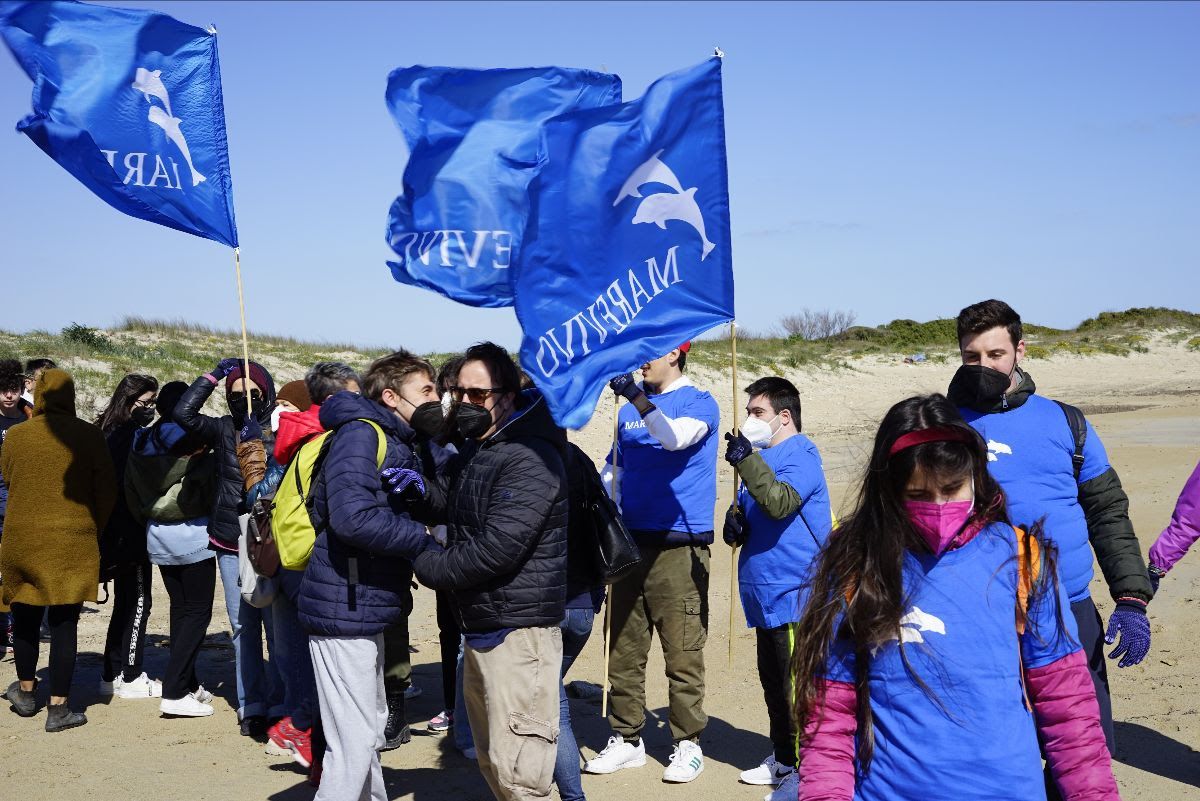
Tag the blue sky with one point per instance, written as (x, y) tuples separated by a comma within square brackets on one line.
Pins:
[(898, 160)]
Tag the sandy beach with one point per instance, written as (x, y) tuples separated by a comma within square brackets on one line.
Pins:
[(1146, 407)]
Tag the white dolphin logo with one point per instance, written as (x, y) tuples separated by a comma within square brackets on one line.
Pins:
[(911, 626), (150, 84), (662, 207), (996, 448)]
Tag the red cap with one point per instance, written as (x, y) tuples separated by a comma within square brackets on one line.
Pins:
[(685, 347)]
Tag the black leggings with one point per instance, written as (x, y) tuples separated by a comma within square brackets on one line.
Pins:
[(449, 638), (190, 588), (126, 641), (64, 642)]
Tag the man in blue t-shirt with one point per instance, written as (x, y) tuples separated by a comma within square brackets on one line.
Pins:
[(666, 485), (781, 519), (1032, 452)]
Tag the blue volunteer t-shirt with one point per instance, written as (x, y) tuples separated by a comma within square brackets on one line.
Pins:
[(960, 638), (775, 560), (1029, 453), (662, 490)]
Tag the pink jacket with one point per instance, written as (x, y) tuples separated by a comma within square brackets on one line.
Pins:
[(1064, 707), (1184, 528)]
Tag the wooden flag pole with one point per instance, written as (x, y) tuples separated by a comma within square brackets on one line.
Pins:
[(237, 266), (736, 477), (608, 597)]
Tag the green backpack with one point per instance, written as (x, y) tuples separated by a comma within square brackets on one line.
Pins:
[(291, 519)]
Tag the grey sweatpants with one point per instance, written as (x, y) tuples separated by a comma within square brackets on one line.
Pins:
[(349, 673)]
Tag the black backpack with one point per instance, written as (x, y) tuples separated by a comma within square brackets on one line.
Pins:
[(1078, 424), (600, 549)]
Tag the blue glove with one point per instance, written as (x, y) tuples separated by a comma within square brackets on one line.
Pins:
[(251, 430), (400, 480), (224, 368), (737, 448), (1156, 574), (1130, 621), (625, 385)]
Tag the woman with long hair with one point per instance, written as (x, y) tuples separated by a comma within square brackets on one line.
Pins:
[(935, 649), (123, 556)]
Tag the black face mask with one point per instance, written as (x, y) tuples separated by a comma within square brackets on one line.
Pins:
[(472, 419), (143, 415), (258, 407), (978, 387), (428, 419)]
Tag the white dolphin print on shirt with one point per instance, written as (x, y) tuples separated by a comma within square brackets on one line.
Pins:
[(995, 448), (911, 626)]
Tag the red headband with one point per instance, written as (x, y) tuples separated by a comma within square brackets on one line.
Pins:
[(924, 435)]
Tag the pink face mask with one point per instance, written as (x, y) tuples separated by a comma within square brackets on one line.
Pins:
[(941, 525)]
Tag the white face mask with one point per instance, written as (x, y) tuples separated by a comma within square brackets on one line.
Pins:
[(275, 418), (759, 431)]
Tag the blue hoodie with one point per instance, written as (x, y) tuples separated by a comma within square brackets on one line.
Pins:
[(360, 565)]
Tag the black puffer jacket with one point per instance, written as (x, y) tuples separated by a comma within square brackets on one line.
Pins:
[(505, 507), (219, 434)]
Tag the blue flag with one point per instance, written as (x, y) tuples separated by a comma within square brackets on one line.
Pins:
[(457, 227), (627, 251), (129, 102)]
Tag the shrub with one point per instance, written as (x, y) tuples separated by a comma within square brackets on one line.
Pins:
[(88, 337)]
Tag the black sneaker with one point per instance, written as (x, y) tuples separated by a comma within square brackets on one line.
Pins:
[(254, 726)]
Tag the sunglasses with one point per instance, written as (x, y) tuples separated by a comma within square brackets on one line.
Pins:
[(473, 394), (240, 397), (144, 404)]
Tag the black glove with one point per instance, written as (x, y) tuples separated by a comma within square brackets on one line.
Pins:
[(251, 430), (735, 531), (737, 449), (224, 368), (1156, 574), (625, 385)]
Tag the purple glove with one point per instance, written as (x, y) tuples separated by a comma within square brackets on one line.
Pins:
[(625, 385), (251, 430), (400, 480), (224, 368), (1130, 621)]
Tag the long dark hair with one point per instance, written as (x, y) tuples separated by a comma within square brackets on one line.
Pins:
[(860, 572), (120, 406)]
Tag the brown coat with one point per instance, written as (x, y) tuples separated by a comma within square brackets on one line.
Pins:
[(61, 490)]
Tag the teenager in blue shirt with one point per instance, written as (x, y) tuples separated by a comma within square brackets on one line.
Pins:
[(666, 486), (1030, 452), (781, 520), (935, 652)]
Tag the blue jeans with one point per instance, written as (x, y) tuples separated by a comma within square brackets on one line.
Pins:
[(462, 725), (259, 689), (576, 628), (290, 649)]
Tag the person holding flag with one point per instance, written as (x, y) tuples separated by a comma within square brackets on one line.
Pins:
[(781, 520), (666, 451)]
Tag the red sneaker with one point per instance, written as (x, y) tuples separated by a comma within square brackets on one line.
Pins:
[(278, 733), (301, 745)]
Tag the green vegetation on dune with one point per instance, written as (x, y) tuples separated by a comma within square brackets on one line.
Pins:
[(177, 349)]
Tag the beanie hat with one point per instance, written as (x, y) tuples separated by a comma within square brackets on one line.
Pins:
[(295, 393), (168, 398), (259, 375)]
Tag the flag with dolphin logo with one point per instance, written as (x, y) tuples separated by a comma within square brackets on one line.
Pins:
[(129, 102), (627, 250), (457, 227)]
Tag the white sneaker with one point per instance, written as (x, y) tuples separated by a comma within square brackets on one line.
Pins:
[(687, 762), (107, 688), (203, 695), (141, 687), (788, 789), (618, 754), (768, 772), (185, 707)]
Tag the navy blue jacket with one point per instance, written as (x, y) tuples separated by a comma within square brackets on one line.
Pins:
[(360, 528)]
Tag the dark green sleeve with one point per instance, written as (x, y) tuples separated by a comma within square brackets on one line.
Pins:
[(777, 499), (1116, 545)]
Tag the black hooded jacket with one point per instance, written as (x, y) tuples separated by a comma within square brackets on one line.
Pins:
[(505, 506), (220, 434)]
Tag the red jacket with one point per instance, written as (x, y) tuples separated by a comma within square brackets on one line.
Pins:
[(295, 429)]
